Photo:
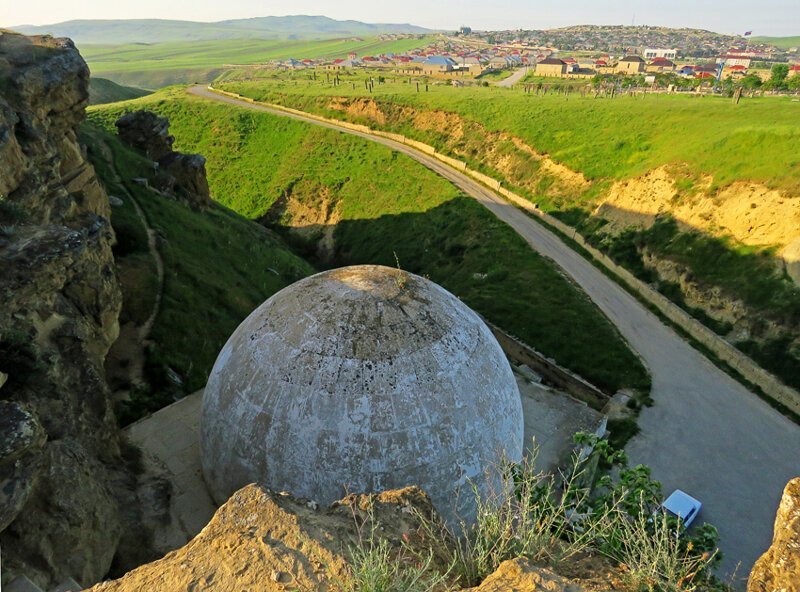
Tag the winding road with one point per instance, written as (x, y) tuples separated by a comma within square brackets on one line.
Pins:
[(706, 434)]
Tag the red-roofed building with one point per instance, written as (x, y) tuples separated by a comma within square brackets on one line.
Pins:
[(661, 65), (794, 70)]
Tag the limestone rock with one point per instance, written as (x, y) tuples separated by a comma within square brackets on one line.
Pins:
[(21, 440), (260, 540), (75, 536), (519, 575), (180, 175), (184, 175), (146, 132), (59, 308), (778, 570)]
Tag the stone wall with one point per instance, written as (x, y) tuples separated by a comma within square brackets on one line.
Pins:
[(559, 377)]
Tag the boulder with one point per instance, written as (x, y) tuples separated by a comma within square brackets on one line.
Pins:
[(179, 175), (146, 132), (267, 541), (520, 575), (778, 570), (184, 176), (70, 536)]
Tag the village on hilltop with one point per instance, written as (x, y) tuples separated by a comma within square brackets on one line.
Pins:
[(465, 55)]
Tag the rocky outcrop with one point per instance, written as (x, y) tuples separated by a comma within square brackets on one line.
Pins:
[(778, 570), (62, 472), (22, 438), (146, 132), (181, 175), (184, 176), (520, 575), (260, 540)]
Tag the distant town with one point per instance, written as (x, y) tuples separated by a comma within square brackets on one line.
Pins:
[(649, 55)]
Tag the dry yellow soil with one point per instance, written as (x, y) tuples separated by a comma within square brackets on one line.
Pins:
[(749, 212)]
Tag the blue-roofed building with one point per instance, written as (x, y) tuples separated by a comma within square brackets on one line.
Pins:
[(438, 64)]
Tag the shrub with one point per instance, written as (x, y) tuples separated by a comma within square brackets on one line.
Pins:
[(375, 566)]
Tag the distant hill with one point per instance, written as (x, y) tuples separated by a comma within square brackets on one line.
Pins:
[(102, 90), (158, 31), (781, 42)]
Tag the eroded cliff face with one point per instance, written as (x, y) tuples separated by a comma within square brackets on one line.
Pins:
[(62, 475), (778, 570)]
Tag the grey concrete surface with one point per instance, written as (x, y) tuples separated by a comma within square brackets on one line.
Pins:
[(171, 437), (362, 379), (706, 433), (552, 418)]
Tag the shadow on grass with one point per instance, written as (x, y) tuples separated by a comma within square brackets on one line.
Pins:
[(463, 247), (718, 266)]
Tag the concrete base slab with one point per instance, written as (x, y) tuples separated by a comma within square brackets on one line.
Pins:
[(22, 584), (551, 419), (170, 440)]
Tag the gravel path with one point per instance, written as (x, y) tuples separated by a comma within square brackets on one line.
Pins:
[(706, 434)]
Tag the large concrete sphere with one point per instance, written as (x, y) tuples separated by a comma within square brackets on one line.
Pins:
[(356, 380)]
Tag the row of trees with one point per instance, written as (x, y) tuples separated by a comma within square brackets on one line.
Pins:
[(779, 81)]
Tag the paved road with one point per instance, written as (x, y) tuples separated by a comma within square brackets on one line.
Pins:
[(514, 78), (706, 433)]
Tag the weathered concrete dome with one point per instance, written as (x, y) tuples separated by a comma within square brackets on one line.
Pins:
[(358, 380)]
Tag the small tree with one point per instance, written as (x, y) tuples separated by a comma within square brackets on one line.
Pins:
[(779, 72)]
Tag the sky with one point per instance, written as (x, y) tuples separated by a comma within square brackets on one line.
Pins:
[(765, 17)]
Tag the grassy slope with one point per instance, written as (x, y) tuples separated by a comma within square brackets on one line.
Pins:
[(218, 267), (617, 139), (390, 204), (604, 139), (102, 90), (781, 42), (186, 61)]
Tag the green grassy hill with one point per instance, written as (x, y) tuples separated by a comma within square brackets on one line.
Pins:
[(159, 30), (218, 267), (705, 143), (604, 139), (163, 64), (102, 90), (781, 42), (371, 205)]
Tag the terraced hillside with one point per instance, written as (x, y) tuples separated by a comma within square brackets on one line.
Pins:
[(343, 200)]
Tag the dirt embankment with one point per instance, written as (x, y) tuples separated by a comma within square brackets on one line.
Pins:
[(521, 165), (310, 211), (750, 213)]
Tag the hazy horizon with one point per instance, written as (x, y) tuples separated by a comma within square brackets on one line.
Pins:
[(773, 17)]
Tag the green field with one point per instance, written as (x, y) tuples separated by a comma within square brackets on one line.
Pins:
[(781, 42), (388, 208), (161, 64), (218, 267), (605, 139)]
